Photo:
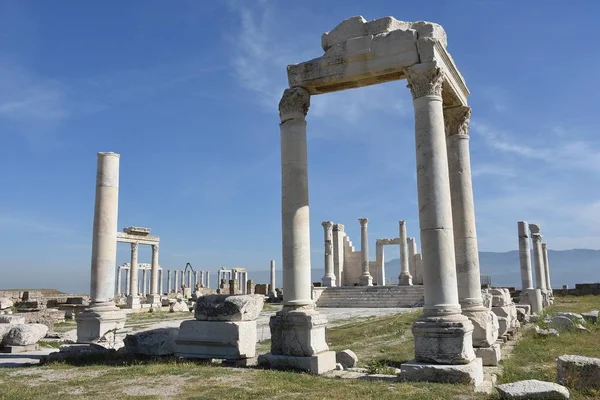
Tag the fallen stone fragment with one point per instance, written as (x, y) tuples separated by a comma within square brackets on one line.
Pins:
[(154, 342), (532, 389), (339, 367), (347, 358), (591, 316), (582, 328), (12, 319), (576, 318), (5, 303), (546, 332), (224, 307), (578, 372), (179, 306), (559, 322), (25, 334)]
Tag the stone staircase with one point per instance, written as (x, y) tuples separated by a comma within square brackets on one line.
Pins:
[(372, 296)]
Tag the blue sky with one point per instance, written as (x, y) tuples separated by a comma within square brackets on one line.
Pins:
[(187, 93)]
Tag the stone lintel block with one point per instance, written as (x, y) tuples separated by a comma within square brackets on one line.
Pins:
[(444, 340), (490, 356), (230, 340), (19, 349), (298, 333), (319, 363), (578, 372), (471, 373), (94, 322)]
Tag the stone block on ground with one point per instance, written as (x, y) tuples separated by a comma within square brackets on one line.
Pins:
[(154, 342), (576, 318), (591, 316), (546, 332), (471, 373), (490, 356), (559, 322), (25, 334), (5, 303), (222, 307), (72, 351), (230, 340), (317, 364), (532, 389), (12, 319), (347, 358), (179, 306), (578, 372)]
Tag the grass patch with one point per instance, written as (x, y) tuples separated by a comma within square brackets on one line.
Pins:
[(534, 357)]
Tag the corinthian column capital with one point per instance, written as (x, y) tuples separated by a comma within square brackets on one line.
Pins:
[(327, 225), (425, 80), (456, 120), (363, 221), (294, 103)]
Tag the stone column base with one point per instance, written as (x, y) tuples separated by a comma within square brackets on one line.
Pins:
[(366, 280), (317, 364), (534, 297), (298, 341), (154, 299), (405, 280), (444, 340), (329, 281), (229, 340), (485, 326), (490, 356), (133, 302), (471, 373), (97, 320), (546, 300)]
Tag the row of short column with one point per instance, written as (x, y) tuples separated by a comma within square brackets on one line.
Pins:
[(142, 286), (541, 295), (133, 300)]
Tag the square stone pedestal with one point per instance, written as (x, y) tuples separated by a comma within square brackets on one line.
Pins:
[(229, 340), (298, 341), (535, 299), (444, 340), (405, 280), (94, 322), (471, 373), (490, 356), (365, 280), (154, 300), (133, 302)]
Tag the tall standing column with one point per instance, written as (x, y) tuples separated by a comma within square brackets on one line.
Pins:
[(463, 221), (181, 280), (442, 335), (208, 279), (161, 280), (133, 301), (525, 256), (103, 315), (412, 251), (405, 278), (329, 278), (127, 279), (365, 278), (154, 296), (273, 292), (119, 283), (538, 262), (380, 261), (176, 280), (144, 282), (169, 287), (294, 198), (298, 319), (195, 280), (546, 267)]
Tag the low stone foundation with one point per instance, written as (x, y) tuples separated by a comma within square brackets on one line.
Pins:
[(471, 373)]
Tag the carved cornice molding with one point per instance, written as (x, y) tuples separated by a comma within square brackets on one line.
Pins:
[(456, 120), (294, 103), (425, 80)]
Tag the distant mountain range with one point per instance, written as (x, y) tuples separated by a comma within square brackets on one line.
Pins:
[(567, 267)]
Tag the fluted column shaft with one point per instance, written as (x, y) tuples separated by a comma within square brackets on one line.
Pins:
[(546, 266), (133, 267), (295, 219), (538, 257), (119, 283), (154, 272), (365, 278)]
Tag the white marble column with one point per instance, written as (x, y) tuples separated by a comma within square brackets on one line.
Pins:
[(525, 256), (272, 293), (181, 280), (127, 281), (365, 278), (154, 272), (298, 319), (103, 315), (133, 301), (404, 278), (144, 283), (169, 283), (466, 249), (208, 279), (195, 280), (119, 283), (380, 261), (294, 198), (442, 335), (329, 278), (161, 281), (176, 280), (538, 256), (546, 267), (411, 243), (338, 253)]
